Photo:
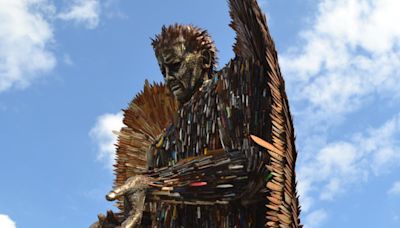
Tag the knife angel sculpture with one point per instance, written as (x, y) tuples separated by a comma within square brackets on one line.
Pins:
[(210, 148)]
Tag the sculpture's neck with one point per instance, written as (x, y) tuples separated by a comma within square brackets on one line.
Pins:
[(199, 85)]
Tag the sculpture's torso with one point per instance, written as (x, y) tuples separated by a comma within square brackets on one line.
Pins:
[(219, 119)]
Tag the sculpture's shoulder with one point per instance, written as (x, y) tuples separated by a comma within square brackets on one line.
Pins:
[(244, 69), (243, 84), (245, 101)]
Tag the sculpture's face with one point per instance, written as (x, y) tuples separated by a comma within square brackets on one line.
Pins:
[(183, 70)]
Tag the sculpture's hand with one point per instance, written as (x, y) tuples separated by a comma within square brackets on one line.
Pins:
[(134, 191), (133, 184)]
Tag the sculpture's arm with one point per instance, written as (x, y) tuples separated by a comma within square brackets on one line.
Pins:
[(202, 180), (219, 177)]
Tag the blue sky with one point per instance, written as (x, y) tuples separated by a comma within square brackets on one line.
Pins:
[(67, 68)]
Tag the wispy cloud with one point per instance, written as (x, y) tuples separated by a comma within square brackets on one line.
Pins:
[(6, 222), (86, 12), (339, 165), (395, 189), (25, 37), (351, 52), (315, 219), (102, 134), (67, 60), (348, 57), (111, 9)]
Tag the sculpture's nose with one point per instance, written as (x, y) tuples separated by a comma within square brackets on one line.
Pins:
[(169, 75), (170, 78)]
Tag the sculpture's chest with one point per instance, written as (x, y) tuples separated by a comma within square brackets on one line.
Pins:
[(219, 117), (195, 130), (196, 127)]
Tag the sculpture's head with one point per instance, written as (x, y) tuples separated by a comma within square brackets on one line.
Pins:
[(186, 56)]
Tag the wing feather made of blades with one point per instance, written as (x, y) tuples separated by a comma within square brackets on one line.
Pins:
[(147, 115), (253, 41)]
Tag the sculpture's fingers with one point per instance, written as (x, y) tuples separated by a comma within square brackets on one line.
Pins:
[(101, 217), (112, 218), (133, 183), (119, 191), (114, 194), (95, 225)]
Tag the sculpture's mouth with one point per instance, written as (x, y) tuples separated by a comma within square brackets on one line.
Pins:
[(175, 87)]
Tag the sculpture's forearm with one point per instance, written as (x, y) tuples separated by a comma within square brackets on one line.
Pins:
[(220, 177)]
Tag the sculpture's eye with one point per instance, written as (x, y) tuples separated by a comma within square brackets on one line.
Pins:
[(174, 67)]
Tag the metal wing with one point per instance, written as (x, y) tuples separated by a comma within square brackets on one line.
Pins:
[(252, 34), (253, 41), (145, 118)]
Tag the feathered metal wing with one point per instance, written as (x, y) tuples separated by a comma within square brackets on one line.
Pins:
[(254, 41), (145, 118)]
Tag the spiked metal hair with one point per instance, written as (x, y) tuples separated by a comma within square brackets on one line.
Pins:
[(194, 39)]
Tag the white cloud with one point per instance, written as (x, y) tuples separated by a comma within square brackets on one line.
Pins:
[(85, 12), (334, 166), (395, 189), (103, 135), (315, 218), (351, 52), (25, 36), (6, 222), (339, 165), (349, 56)]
